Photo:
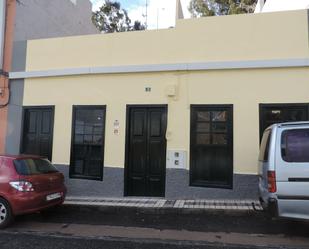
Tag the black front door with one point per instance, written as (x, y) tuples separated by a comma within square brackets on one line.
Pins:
[(38, 131), (211, 146), (279, 113), (146, 151)]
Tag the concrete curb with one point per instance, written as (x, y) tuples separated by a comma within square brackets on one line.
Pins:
[(158, 210), (155, 205)]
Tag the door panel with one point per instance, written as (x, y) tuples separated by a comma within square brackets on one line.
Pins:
[(146, 151), (38, 131), (138, 151), (211, 149)]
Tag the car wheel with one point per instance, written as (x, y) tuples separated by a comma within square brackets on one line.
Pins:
[(6, 215)]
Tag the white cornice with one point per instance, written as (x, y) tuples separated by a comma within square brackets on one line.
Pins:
[(202, 66)]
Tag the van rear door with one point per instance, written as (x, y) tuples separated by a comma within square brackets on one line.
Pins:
[(292, 171)]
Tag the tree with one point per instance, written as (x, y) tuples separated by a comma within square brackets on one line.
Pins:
[(138, 26), (112, 18), (200, 8)]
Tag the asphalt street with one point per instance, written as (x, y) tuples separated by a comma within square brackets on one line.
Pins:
[(255, 222), (88, 227)]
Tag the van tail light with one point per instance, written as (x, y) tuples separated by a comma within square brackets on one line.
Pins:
[(271, 176), (22, 186)]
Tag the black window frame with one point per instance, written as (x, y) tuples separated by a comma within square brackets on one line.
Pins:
[(74, 109)]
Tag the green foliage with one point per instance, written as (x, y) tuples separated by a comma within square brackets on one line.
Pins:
[(112, 18), (200, 8), (221, 7)]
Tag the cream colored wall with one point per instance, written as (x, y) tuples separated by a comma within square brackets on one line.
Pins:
[(245, 89), (280, 35)]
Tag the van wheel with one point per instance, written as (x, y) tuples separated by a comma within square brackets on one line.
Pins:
[(6, 216)]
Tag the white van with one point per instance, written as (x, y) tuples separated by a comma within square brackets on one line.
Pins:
[(284, 170)]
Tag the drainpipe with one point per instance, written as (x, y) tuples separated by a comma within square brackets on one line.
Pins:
[(8, 8), (2, 29)]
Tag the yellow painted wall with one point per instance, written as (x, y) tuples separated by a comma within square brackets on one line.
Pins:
[(279, 35), (245, 89)]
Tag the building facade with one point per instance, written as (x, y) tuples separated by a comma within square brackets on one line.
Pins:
[(29, 19), (46, 19), (174, 113)]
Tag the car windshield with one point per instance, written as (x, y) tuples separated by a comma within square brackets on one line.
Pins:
[(33, 166)]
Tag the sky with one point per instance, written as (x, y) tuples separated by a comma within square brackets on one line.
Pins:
[(161, 13)]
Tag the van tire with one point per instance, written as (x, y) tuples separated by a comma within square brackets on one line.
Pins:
[(6, 215)]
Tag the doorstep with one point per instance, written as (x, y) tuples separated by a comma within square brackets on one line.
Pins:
[(159, 203)]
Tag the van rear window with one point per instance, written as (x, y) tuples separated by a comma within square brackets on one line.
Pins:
[(295, 145), (34, 166), (264, 149)]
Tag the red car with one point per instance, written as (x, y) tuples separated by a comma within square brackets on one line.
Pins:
[(28, 184)]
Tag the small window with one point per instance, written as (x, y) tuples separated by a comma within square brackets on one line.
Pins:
[(295, 145), (264, 149)]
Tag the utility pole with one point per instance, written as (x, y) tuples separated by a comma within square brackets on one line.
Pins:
[(158, 12), (146, 14)]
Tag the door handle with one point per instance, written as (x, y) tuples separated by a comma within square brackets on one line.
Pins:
[(298, 179)]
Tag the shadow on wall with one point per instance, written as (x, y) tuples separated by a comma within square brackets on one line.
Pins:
[(111, 186), (244, 187)]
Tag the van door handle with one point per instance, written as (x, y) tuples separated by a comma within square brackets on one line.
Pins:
[(298, 179)]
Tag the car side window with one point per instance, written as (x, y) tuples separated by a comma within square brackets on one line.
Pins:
[(264, 149), (295, 145)]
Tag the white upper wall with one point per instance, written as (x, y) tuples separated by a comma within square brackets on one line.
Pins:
[(281, 5)]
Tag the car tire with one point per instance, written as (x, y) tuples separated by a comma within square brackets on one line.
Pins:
[(6, 215)]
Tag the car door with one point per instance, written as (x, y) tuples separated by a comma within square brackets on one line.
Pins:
[(292, 171)]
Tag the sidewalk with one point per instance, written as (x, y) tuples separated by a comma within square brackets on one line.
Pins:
[(159, 203), (210, 223)]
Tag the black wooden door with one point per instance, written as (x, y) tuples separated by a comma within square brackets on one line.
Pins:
[(211, 146), (146, 151), (38, 131), (279, 113)]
